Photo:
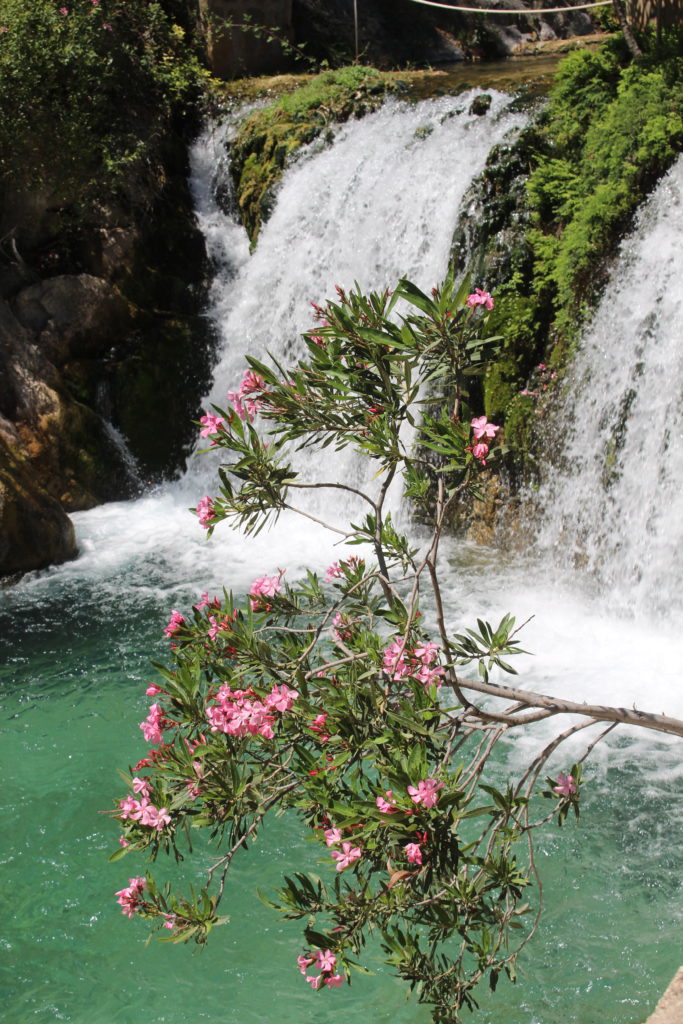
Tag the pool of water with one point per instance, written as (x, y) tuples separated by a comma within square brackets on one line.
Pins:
[(76, 647)]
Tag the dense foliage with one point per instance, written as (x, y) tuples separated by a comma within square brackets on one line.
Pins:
[(556, 204), (86, 84)]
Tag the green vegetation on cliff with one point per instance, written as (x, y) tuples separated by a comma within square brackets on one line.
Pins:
[(575, 178), (86, 87)]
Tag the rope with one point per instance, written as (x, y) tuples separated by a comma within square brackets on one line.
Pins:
[(507, 10)]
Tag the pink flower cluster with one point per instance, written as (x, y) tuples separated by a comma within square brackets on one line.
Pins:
[(211, 424), (426, 792), (325, 961), (387, 806), (143, 810), (245, 405), (413, 853), (154, 725), (264, 586), (319, 726), (130, 898), (242, 713), (206, 512), (337, 568), (479, 298), (401, 663), (482, 431), (348, 853), (175, 622), (566, 786)]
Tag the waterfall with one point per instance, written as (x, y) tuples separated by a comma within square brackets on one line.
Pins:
[(381, 202), (616, 506)]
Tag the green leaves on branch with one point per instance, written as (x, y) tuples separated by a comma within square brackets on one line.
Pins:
[(320, 696)]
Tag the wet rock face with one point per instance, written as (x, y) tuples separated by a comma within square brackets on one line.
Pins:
[(34, 529), (76, 313), (100, 335)]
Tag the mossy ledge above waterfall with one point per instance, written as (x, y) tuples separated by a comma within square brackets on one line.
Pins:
[(542, 224), (269, 137), (300, 109)]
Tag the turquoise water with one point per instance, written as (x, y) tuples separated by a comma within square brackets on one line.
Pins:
[(74, 667)]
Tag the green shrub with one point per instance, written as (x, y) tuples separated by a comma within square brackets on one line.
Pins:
[(85, 84)]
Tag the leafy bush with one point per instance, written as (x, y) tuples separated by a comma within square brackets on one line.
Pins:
[(349, 699), (85, 86)]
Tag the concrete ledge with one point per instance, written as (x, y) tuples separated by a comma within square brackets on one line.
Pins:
[(669, 1009)]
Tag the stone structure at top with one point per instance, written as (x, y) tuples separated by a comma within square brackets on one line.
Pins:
[(234, 51)]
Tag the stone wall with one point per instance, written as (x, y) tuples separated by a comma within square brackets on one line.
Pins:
[(234, 52)]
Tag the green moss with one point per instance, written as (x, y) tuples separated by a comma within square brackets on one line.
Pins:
[(576, 179), (268, 138)]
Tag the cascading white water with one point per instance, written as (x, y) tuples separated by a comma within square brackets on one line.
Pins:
[(602, 583), (617, 507), (381, 202)]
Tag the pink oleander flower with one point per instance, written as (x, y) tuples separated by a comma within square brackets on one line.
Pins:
[(152, 690), (385, 806), (566, 785), (482, 428), (333, 572), (480, 451), (206, 512), (349, 853), (332, 836), (211, 424), (325, 960), (246, 406), (264, 586), (479, 298), (240, 713), (129, 898), (170, 921), (304, 962), (141, 786), (175, 622), (426, 653), (334, 980), (123, 841), (128, 807), (64, 11), (395, 661), (154, 724), (413, 853), (426, 793), (281, 698), (314, 980)]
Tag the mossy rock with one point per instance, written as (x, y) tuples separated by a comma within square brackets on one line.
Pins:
[(268, 139)]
